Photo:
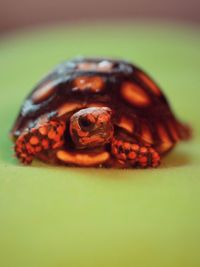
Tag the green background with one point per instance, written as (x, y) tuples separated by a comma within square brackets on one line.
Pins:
[(56, 216)]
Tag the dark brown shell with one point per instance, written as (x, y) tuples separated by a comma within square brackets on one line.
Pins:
[(139, 107)]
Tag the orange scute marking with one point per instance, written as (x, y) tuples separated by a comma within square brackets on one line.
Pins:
[(91, 105), (126, 124), (43, 92), (95, 84), (146, 134), (166, 142), (68, 107), (135, 95), (151, 85), (83, 159)]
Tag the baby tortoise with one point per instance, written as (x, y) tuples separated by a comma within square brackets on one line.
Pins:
[(97, 112)]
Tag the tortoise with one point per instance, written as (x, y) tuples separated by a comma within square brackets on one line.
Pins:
[(97, 112)]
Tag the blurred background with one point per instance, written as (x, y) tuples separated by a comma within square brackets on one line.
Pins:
[(20, 14), (90, 218)]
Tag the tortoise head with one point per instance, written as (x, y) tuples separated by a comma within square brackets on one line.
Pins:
[(91, 127)]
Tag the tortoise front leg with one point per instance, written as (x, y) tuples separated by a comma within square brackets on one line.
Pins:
[(135, 154), (43, 136)]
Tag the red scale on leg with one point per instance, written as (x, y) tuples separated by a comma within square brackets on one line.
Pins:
[(40, 138), (136, 155)]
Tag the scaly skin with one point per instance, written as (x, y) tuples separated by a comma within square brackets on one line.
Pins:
[(135, 154), (41, 137), (49, 135)]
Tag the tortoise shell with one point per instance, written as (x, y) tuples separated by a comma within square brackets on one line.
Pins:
[(96, 112)]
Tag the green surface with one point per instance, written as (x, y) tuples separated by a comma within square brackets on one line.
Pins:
[(56, 217)]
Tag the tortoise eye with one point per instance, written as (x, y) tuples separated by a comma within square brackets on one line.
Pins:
[(85, 123)]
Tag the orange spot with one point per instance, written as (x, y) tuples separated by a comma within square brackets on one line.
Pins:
[(151, 85), (155, 156), (119, 143), (45, 143), (57, 138), (155, 160), (134, 94), (51, 134), (93, 83), (143, 150), (34, 140), (43, 130), (29, 148), (127, 146), (135, 147), (132, 155), (114, 150), (61, 130)]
